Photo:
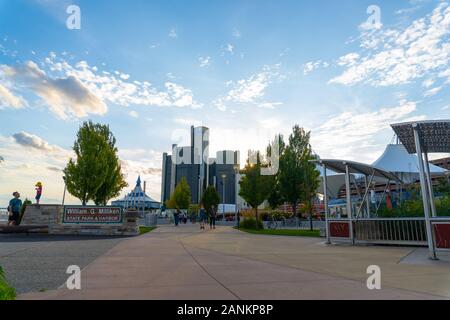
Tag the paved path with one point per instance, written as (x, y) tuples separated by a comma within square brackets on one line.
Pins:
[(39, 262), (184, 263)]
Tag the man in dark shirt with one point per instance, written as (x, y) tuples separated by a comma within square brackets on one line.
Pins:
[(14, 209)]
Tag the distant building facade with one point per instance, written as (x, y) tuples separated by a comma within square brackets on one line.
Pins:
[(443, 163), (193, 163)]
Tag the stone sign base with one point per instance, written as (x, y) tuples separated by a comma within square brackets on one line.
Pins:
[(51, 215)]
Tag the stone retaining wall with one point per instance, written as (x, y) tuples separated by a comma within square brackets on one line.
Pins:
[(51, 216)]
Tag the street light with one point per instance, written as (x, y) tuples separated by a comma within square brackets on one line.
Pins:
[(223, 195), (236, 209), (65, 186)]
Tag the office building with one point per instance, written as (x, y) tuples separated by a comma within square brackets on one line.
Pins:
[(200, 171)]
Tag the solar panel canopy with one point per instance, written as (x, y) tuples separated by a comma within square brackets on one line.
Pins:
[(434, 135)]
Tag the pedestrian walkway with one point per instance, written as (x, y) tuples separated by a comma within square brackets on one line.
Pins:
[(186, 263)]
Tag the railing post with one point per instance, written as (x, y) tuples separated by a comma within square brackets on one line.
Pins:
[(349, 203), (325, 202), (430, 186), (423, 185)]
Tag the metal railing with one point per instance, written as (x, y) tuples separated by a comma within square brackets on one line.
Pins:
[(297, 223), (3, 215), (408, 231), (396, 231)]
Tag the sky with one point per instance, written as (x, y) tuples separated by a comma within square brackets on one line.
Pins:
[(247, 69)]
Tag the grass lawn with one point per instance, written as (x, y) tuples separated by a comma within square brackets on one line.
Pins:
[(143, 230), (284, 232), (6, 291)]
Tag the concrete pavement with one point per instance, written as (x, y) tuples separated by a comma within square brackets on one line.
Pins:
[(186, 263)]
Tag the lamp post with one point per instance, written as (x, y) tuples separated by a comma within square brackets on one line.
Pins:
[(236, 177), (65, 187), (223, 195)]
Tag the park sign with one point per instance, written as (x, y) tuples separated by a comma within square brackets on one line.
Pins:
[(92, 215)]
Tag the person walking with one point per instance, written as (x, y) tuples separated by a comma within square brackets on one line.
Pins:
[(176, 217), (212, 217), (14, 209), (203, 217), (38, 192)]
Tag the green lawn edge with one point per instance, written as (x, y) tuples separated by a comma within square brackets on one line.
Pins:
[(283, 232), (144, 230)]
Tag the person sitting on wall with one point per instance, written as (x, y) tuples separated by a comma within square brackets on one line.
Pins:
[(14, 209)]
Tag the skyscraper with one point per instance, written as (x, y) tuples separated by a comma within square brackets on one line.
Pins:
[(193, 163)]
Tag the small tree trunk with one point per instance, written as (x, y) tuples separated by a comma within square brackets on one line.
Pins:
[(256, 217)]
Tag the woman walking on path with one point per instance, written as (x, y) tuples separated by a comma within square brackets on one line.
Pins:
[(14, 209), (212, 217), (203, 217)]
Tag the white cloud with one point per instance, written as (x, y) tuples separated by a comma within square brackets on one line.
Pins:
[(313, 65), (250, 90), (133, 114), (349, 59), (80, 90), (64, 96), (228, 48), (29, 140), (432, 92), (187, 122), (9, 99), (353, 136), (204, 61), (400, 56), (428, 83), (270, 105), (173, 34)]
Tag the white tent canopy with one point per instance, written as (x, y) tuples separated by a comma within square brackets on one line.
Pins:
[(396, 159)]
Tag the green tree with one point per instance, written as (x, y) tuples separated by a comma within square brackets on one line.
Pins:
[(298, 178), (181, 196), (114, 180), (275, 197), (254, 187), (310, 185), (96, 172), (443, 186), (210, 198)]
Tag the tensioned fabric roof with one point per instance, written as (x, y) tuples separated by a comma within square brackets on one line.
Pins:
[(434, 135), (396, 159), (358, 168)]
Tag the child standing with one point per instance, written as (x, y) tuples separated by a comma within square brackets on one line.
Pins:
[(38, 192)]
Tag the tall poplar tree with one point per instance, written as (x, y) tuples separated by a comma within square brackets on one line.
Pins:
[(95, 174)]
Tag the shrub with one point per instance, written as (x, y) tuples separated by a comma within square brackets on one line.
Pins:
[(6, 291), (250, 223), (414, 208), (25, 203)]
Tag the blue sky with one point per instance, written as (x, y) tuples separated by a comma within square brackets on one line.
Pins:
[(246, 69)]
